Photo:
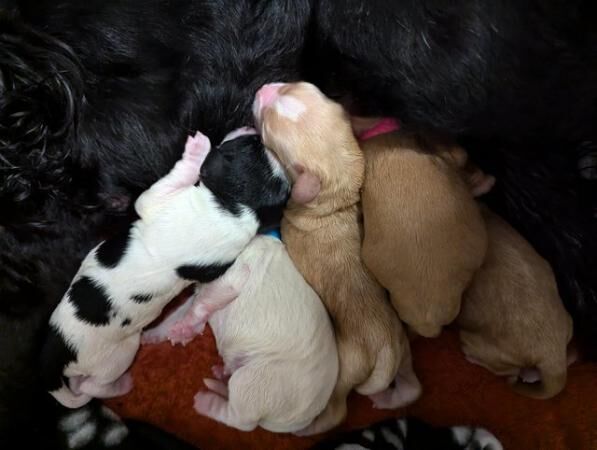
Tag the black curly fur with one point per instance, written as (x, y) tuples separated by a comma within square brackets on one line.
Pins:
[(39, 99)]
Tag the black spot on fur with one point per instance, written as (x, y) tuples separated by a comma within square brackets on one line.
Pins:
[(55, 356), (200, 273), (142, 298), (126, 322), (111, 251), (91, 302), (239, 173)]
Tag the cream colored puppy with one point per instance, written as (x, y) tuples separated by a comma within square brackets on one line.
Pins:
[(313, 138), (276, 340)]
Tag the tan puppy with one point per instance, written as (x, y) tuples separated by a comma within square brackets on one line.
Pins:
[(313, 138), (512, 320), (424, 234)]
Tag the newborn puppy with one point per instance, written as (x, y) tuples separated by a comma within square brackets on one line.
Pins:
[(186, 233), (424, 236), (276, 340), (512, 321), (313, 138)]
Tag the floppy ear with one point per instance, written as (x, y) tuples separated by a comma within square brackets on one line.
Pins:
[(306, 186)]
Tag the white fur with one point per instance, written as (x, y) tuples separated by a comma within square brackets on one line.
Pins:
[(276, 165), (369, 435), (177, 226), (480, 436), (392, 438), (108, 413), (277, 340), (403, 426), (290, 107), (114, 435), (81, 436), (74, 420), (239, 132)]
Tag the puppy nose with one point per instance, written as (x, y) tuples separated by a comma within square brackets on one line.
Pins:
[(268, 93)]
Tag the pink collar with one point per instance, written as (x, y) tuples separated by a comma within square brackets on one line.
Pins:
[(386, 125)]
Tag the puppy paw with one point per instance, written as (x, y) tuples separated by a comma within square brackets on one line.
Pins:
[(209, 403), (197, 147), (396, 397), (217, 386), (150, 338), (183, 332), (218, 372)]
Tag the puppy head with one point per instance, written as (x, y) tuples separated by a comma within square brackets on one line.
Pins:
[(242, 172), (40, 90), (313, 138)]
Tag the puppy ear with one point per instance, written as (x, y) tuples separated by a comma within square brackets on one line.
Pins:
[(306, 186)]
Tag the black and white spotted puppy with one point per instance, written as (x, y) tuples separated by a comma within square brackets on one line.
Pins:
[(412, 434), (187, 233)]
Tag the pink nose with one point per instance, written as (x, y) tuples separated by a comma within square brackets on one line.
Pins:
[(268, 94)]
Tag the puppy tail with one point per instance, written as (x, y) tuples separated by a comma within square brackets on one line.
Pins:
[(382, 375), (552, 381), (68, 398)]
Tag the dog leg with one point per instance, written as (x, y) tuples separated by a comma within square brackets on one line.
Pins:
[(217, 386), (96, 388), (209, 299), (216, 407), (159, 333), (406, 389), (185, 173)]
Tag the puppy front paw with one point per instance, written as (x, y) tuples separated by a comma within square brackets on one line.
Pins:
[(153, 336), (197, 147), (184, 331)]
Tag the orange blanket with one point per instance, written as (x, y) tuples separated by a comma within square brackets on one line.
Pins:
[(455, 392)]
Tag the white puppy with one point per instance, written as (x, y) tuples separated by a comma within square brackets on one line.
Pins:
[(276, 339)]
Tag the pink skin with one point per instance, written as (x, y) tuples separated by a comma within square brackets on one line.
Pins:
[(210, 298), (481, 183), (186, 171), (265, 97), (406, 390), (214, 404), (243, 131), (159, 333), (92, 387)]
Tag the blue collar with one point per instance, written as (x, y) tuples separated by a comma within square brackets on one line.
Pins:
[(274, 232)]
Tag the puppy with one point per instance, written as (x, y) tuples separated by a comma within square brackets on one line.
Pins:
[(424, 236), (186, 233), (312, 137), (512, 321), (276, 340)]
